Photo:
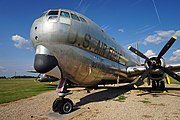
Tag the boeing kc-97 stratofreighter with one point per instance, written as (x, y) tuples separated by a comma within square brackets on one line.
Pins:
[(71, 47)]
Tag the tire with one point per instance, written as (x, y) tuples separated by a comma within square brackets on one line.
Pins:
[(154, 85), (162, 86), (65, 106), (157, 84), (55, 105)]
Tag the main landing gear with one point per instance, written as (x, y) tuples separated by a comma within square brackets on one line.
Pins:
[(61, 104), (157, 86)]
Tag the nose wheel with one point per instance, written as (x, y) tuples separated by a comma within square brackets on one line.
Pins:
[(62, 105)]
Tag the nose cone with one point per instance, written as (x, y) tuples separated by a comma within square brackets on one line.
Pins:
[(44, 63)]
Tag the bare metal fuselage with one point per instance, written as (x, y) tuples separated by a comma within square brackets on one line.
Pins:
[(85, 53)]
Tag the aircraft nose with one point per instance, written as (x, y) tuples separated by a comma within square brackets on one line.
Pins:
[(44, 62)]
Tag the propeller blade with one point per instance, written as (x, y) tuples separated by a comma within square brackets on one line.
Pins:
[(140, 80), (38, 76), (137, 52), (170, 73), (166, 47), (32, 71)]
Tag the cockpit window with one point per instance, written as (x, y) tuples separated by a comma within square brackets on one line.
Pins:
[(82, 19), (64, 14), (75, 17), (53, 12)]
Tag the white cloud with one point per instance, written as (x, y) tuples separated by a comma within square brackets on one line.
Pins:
[(149, 53), (160, 36), (177, 33), (166, 33), (20, 42), (2, 69), (175, 57), (153, 39), (177, 53), (121, 30)]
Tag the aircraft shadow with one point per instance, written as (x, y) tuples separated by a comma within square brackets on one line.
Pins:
[(148, 90), (109, 93), (113, 92)]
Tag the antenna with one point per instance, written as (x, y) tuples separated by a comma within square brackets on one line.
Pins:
[(137, 47)]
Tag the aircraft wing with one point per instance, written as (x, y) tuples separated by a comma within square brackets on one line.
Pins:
[(174, 67), (138, 70), (32, 71)]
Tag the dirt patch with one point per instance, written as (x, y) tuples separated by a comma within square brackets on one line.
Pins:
[(98, 105)]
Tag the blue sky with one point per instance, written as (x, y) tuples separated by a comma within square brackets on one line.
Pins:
[(150, 22)]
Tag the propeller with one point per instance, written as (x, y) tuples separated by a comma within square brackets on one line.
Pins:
[(155, 63), (38, 77), (32, 71)]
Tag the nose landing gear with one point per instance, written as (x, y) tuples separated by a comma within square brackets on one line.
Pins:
[(61, 104)]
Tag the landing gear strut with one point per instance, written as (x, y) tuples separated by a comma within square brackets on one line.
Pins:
[(162, 86), (61, 104), (153, 85), (157, 86)]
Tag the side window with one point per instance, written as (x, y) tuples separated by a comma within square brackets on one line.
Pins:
[(75, 17), (82, 19), (64, 14), (53, 13)]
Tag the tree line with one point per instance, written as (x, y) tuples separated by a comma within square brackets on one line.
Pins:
[(4, 77)]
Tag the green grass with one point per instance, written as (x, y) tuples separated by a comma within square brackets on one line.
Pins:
[(146, 100), (121, 98), (173, 81), (15, 89)]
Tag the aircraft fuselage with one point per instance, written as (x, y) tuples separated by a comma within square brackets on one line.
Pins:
[(83, 52)]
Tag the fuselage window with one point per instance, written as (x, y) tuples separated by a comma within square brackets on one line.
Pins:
[(82, 19), (53, 12), (64, 14), (75, 17)]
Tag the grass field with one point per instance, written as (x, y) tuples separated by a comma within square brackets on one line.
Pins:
[(173, 81), (15, 89)]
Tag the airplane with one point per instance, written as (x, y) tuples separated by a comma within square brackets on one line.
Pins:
[(44, 77), (71, 47)]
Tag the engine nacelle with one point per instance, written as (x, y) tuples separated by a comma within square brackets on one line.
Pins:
[(155, 73)]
